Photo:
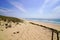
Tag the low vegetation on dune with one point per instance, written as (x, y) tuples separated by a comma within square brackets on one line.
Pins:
[(8, 19), (7, 22)]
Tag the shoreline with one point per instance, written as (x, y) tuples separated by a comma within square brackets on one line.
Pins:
[(44, 22), (50, 25), (53, 22)]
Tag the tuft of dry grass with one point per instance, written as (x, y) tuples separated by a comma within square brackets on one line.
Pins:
[(13, 19), (8, 26)]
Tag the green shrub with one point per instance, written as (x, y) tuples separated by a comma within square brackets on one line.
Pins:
[(13, 19)]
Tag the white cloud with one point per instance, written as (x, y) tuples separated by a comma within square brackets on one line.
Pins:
[(10, 12), (5, 10), (56, 12), (19, 6), (46, 11), (57, 8), (48, 3)]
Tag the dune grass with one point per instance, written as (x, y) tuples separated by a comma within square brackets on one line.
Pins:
[(13, 19)]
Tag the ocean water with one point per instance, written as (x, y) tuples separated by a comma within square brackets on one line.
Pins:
[(56, 21)]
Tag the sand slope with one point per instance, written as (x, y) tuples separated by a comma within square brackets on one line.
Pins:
[(25, 31)]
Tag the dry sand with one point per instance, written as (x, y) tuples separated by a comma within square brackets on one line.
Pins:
[(27, 31)]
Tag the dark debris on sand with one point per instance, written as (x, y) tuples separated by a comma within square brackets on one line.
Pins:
[(2, 30), (15, 32), (7, 26)]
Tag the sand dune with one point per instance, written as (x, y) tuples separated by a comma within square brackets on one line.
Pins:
[(26, 31)]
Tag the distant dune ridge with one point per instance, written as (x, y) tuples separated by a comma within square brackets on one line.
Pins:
[(13, 19), (12, 28)]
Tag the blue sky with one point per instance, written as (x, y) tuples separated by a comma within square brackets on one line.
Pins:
[(30, 8)]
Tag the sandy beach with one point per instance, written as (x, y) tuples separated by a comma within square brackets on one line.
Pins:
[(29, 19), (27, 31)]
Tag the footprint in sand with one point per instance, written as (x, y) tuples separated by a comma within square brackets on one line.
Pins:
[(15, 32)]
